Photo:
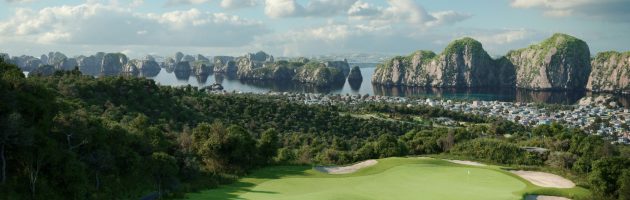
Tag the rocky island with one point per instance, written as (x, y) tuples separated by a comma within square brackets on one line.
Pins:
[(464, 63), (261, 67), (610, 73), (561, 62)]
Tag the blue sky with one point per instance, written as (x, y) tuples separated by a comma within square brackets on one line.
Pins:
[(302, 27)]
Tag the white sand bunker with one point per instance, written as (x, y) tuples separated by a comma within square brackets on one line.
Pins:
[(466, 162), (545, 179), (543, 197), (346, 169)]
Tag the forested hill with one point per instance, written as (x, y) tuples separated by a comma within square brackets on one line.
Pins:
[(71, 136)]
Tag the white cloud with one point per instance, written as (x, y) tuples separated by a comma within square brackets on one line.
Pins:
[(98, 24), (19, 1), (362, 9), (314, 8), (136, 3), (446, 18), (282, 8), (185, 2), (406, 12), (503, 36), (616, 10), (235, 4)]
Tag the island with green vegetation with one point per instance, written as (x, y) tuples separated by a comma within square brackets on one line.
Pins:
[(561, 62)]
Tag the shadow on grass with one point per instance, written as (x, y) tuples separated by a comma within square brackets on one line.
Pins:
[(244, 185)]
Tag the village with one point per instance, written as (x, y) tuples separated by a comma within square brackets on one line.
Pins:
[(604, 119)]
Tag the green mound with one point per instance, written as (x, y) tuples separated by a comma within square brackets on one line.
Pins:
[(392, 178)]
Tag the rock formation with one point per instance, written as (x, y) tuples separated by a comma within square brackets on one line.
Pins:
[(464, 63), (130, 69), (113, 63), (225, 64), (355, 75), (26, 63), (67, 64), (250, 62), (90, 65), (318, 74), (342, 66), (56, 58), (560, 62), (202, 68), (148, 67), (178, 57), (610, 72)]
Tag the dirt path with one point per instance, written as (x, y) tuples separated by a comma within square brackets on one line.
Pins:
[(545, 179), (346, 169)]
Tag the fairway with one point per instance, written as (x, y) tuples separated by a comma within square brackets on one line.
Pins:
[(392, 178)]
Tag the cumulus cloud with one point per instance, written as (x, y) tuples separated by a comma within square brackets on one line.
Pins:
[(616, 10), (98, 24), (184, 2), (314, 8), (406, 12), (362, 9), (235, 4), (19, 1)]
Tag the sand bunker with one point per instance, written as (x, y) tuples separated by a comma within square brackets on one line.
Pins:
[(542, 197), (545, 179), (346, 169), (465, 162)]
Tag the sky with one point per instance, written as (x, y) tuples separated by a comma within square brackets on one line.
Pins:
[(302, 27)]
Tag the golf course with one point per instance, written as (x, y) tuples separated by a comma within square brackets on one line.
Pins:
[(390, 178)]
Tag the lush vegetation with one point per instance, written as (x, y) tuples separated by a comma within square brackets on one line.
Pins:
[(70, 136)]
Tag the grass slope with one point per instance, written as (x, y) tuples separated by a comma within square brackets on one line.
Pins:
[(391, 178)]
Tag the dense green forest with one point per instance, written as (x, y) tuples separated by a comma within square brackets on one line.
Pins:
[(71, 136)]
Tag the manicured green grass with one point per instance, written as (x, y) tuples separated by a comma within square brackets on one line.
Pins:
[(391, 178)]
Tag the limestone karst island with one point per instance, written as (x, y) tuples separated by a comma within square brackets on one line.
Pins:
[(314, 100)]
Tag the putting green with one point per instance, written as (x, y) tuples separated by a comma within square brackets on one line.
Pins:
[(392, 178)]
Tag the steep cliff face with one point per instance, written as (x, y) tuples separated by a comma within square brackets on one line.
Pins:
[(202, 67), (464, 63), (355, 75), (277, 71), (248, 63), (342, 66), (224, 64), (560, 62), (610, 72), (26, 63), (89, 65), (319, 74), (113, 63)]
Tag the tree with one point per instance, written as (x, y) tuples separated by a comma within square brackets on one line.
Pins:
[(164, 169), (9, 136), (604, 179), (268, 146), (624, 185), (563, 160), (387, 146)]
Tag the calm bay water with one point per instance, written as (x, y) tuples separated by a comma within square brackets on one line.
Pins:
[(367, 69)]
